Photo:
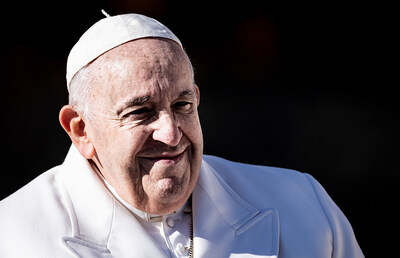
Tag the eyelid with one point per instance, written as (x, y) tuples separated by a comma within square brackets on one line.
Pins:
[(139, 111), (179, 103), (189, 98), (183, 106)]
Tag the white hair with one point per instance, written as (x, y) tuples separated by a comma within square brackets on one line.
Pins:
[(80, 90), (81, 86)]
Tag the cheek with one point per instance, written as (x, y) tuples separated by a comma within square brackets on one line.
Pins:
[(119, 146), (130, 141), (191, 127), (194, 134), (196, 137)]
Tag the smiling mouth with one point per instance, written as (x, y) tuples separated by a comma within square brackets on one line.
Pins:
[(169, 159)]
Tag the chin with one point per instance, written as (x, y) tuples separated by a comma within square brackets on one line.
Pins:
[(169, 197), (171, 189)]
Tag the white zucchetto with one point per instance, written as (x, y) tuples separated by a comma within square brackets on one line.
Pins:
[(109, 33)]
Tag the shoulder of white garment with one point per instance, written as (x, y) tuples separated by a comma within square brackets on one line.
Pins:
[(290, 192)]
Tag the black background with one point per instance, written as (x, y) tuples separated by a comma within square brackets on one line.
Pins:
[(305, 86)]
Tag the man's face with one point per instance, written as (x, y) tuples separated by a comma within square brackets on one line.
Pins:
[(146, 130)]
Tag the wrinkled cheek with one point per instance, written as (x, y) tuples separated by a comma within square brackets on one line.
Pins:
[(198, 133), (134, 179), (134, 171)]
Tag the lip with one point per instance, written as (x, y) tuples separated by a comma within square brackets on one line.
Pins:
[(166, 158)]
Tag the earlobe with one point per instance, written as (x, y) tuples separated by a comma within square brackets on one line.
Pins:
[(76, 129)]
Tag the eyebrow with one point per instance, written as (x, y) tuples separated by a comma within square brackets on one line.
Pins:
[(143, 99), (133, 102), (186, 93)]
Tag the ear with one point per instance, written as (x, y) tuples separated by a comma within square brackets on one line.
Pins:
[(197, 94), (76, 128)]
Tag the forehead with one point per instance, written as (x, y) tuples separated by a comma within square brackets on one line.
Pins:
[(145, 66)]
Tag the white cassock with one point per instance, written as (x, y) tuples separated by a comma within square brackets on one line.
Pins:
[(238, 210)]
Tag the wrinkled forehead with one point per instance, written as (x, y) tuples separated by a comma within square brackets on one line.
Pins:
[(148, 55), (140, 65), (146, 48)]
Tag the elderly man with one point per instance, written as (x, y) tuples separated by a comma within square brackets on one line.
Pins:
[(135, 182)]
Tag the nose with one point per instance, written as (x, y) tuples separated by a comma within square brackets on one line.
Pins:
[(167, 130)]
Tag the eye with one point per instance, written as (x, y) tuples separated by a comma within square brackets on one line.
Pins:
[(140, 113), (182, 105)]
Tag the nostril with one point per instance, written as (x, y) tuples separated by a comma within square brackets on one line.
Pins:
[(168, 134)]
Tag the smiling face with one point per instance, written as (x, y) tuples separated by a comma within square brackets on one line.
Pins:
[(146, 131)]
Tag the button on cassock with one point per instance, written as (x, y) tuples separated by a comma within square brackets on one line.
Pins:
[(170, 222)]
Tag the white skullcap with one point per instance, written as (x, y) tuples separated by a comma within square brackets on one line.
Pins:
[(109, 33)]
